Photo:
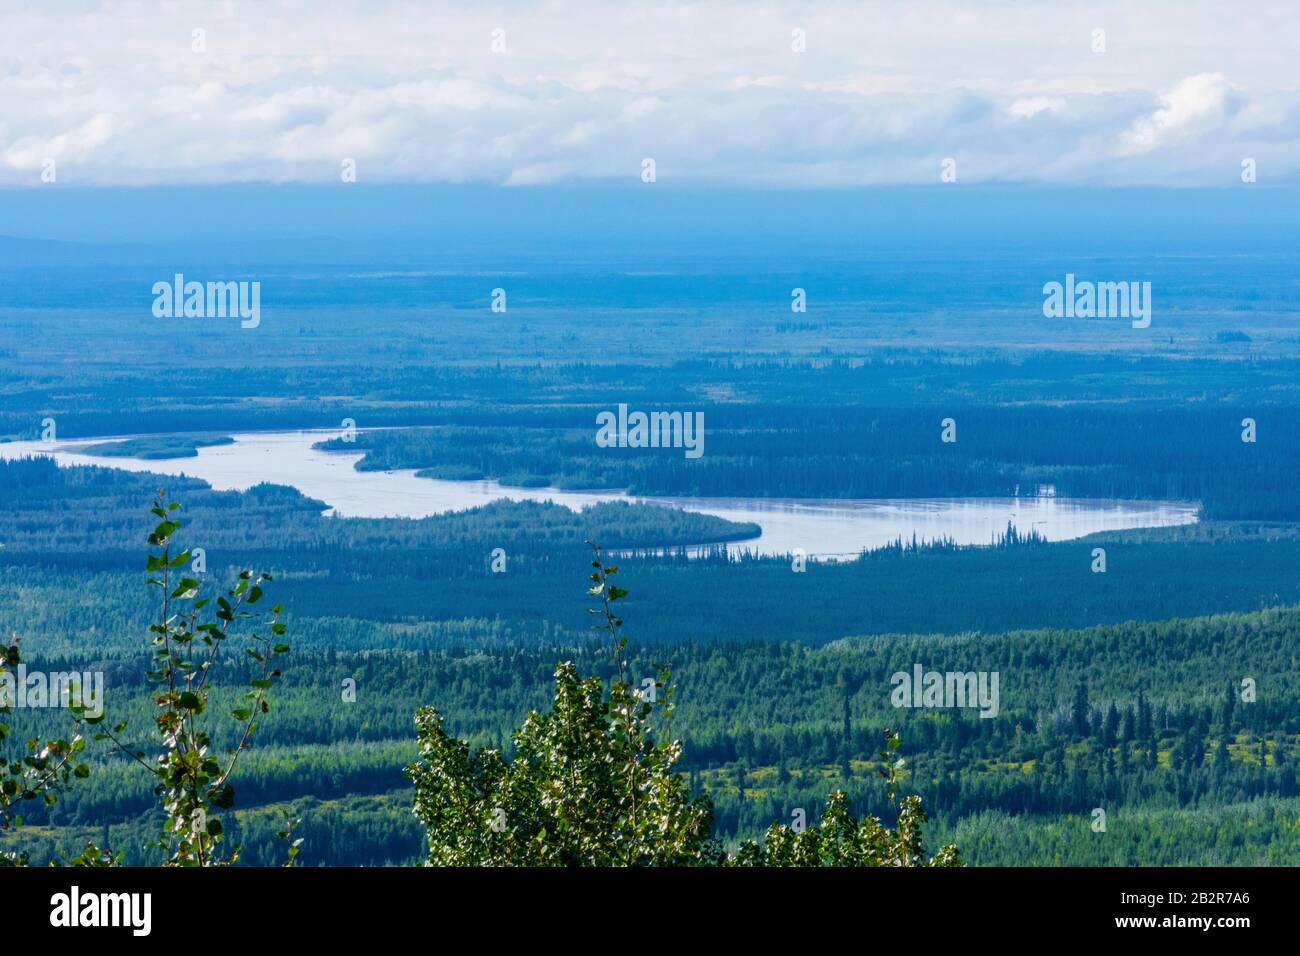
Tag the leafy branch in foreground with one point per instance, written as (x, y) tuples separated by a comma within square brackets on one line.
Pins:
[(590, 785), (840, 840), (41, 772), (193, 779)]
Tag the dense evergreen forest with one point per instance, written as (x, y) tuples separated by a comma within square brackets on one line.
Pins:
[(432, 578), (770, 724), (1121, 691), (1193, 453), (770, 728)]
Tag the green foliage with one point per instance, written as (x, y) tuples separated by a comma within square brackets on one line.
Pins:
[(586, 787), (40, 773), (841, 840), (192, 778), (591, 784)]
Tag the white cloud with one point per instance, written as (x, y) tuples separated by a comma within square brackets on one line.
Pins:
[(1198, 102), (1030, 106), (288, 89)]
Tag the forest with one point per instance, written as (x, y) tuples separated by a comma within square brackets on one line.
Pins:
[(769, 725), (1191, 454), (1163, 692), (770, 728), (431, 577)]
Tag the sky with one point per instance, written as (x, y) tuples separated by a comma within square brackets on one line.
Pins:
[(619, 218), (1169, 93)]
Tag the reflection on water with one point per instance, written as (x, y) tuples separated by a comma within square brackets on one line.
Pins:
[(821, 527)]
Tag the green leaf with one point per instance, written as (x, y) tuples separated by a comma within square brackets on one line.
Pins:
[(187, 588)]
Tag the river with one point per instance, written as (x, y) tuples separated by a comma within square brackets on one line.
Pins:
[(822, 528)]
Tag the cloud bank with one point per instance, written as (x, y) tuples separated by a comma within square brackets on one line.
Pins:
[(741, 94)]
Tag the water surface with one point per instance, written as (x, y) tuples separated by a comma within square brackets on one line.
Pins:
[(824, 528)]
